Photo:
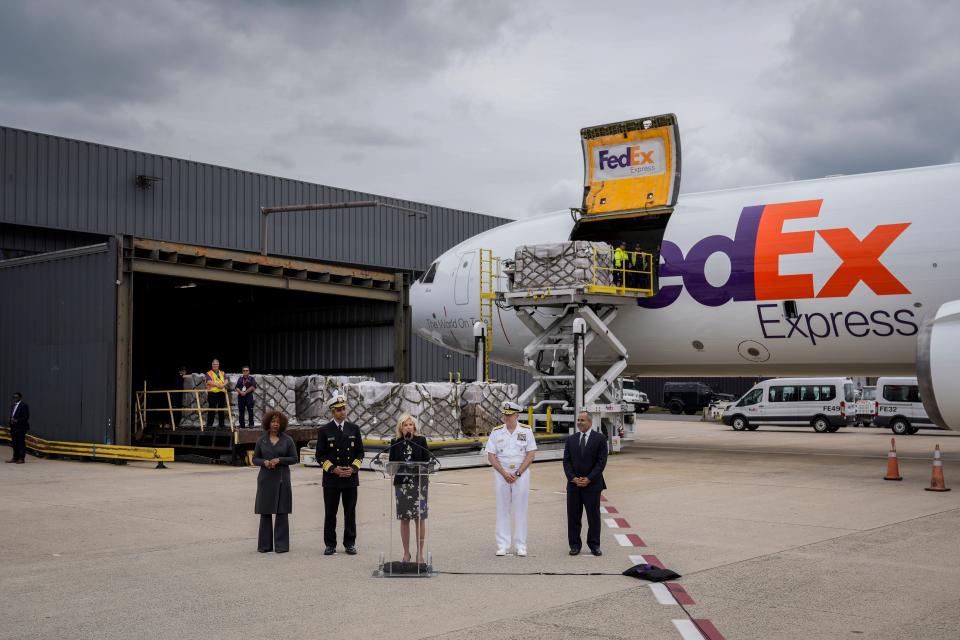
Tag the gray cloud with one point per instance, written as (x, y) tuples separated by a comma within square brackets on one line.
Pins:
[(478, 105), (865, 86)]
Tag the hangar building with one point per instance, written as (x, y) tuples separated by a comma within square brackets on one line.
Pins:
[(118, 266)]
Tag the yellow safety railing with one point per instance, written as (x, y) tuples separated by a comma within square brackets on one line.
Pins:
[(489, 274), (632, 272), (95, 451), (142, 409)]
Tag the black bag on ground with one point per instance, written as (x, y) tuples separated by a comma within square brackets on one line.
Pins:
[(651, 572)]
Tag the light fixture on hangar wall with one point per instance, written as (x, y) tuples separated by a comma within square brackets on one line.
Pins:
[(145, 182), (265, 212)]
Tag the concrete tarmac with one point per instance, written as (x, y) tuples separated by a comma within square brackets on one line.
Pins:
[(779, 533)]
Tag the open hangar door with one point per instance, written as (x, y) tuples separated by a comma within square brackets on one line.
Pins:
[(191, 304)]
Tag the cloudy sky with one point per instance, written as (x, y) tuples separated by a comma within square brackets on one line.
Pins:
[(478, 105)]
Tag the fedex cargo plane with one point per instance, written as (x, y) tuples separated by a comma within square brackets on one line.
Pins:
[(850, 275)]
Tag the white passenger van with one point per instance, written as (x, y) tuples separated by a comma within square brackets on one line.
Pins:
[(826, 404), (899, 406)]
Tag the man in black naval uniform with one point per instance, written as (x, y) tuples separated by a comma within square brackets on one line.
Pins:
[(340, 453)]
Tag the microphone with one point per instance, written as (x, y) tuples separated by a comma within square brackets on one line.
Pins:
[(408, 439)]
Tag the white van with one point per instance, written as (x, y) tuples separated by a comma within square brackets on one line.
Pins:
[(826, 404), (899, 406)]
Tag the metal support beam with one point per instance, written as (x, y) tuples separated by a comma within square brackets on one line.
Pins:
[(401, 333), (579, 335), (480, 350), (124, 342), (193, 272)]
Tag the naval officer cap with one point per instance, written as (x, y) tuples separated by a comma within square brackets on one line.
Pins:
[(509, 408), (338, 401)]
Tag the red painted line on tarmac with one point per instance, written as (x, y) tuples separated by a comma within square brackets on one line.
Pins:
[(707, 629), (622, 523), (679, 593), (654, 560), (636, 540), (611, 510), (603, 498)]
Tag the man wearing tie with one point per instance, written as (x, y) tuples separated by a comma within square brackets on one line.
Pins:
[(584, 458), (19, 425)]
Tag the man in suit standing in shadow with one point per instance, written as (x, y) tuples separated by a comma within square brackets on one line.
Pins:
[(19, 425), (584, 458)]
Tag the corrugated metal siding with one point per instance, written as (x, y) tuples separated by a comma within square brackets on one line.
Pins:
[(81, 186), (20, 241), (57, 341)]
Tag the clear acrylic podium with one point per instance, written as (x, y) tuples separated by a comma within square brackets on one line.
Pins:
[(408, 490)]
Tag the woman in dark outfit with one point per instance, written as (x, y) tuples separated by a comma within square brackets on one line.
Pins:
[(410, 490), (274, 453)]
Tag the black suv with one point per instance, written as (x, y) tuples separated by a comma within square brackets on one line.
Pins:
[(690, 397)]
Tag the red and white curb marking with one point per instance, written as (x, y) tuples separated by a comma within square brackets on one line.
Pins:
[(666, 593), (646, 559), (697, 629), (617, 523), (629, 540)]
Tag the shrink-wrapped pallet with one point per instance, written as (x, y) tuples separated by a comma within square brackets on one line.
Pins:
[(480, 406), (563, 264)]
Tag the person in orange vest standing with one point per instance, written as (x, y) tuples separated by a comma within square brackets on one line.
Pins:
[(216, 392)]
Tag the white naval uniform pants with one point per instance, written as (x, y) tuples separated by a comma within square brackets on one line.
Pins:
[(512, 502)]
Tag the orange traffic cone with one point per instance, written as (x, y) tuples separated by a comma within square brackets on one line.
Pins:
[(936, 481), (893, 467)]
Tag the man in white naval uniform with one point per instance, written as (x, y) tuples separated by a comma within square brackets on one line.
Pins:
[(510, 449)]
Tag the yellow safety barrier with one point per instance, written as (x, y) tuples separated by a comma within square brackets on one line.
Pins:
[(95, 451), (638, 279)]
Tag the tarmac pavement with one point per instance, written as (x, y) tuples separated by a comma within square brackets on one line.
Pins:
[(779, 533)]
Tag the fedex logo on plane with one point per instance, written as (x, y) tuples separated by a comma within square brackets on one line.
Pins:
[(632, 156), (628, 160), (754, 253)]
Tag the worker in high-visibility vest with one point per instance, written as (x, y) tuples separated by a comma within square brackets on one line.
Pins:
[(621, 258), (216, 392)]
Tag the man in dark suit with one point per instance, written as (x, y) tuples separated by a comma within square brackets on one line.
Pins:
[(340, 453), (19, 425), (584, 458)]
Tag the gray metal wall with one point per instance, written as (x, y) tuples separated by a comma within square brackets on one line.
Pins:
[(67, 184), (16, 242), (58, 340)]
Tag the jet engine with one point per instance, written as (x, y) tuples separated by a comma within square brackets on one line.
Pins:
[(938, 365)]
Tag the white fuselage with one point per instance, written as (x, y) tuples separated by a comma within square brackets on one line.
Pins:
[(866, 258)]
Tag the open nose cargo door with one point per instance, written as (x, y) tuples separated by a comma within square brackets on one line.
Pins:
[(631, 167)]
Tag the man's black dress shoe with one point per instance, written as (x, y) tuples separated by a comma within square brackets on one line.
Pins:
[(329, 551), (596, 552), (351, 551), (574, 551)]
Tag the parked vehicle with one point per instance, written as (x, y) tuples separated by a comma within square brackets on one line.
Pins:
[(690, 397), (898, 406), (630, 392), (826, 404), (866, 406)]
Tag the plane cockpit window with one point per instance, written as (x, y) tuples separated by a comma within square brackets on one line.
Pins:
[(428, 276)]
